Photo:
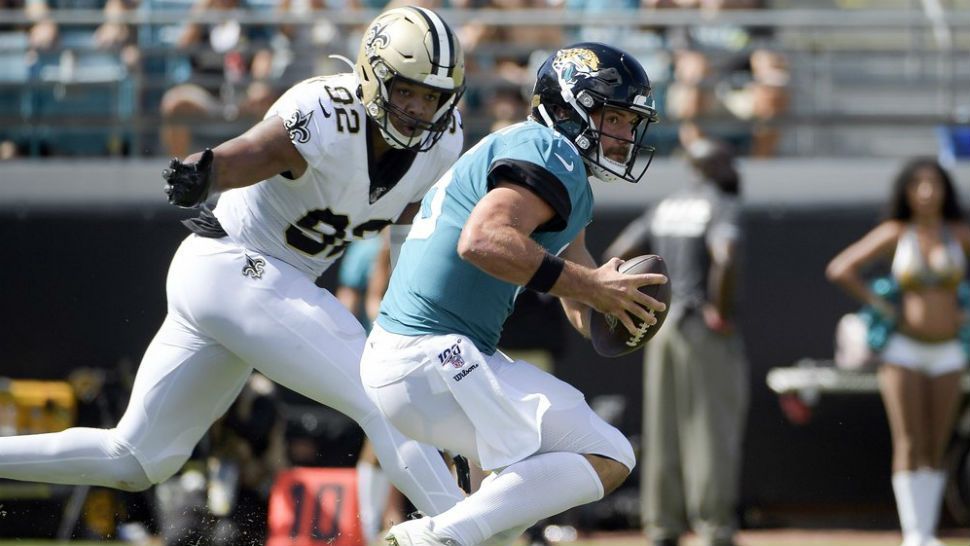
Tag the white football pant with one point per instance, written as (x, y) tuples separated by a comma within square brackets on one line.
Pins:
[(401, 374), (505, 415), (229, 311)]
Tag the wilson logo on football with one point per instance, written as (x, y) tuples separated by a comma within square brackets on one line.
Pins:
[(611, 322)]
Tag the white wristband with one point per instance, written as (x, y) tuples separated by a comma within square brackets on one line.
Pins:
[(398, 233)]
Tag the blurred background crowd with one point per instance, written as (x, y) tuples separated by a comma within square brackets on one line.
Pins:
[(153, 77), (831, 93)]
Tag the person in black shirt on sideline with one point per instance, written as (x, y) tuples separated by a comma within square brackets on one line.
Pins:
[(696, 376)]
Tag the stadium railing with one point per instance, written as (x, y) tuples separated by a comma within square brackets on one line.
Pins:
[(862, 82)]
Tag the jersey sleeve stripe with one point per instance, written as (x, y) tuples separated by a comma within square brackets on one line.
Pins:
[(538, 180)]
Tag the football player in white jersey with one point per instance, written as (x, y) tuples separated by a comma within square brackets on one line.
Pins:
[(336, 158)]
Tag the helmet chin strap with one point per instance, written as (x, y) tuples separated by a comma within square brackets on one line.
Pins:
[(546, 118), (605, 174), (605, 169), (581, 140), (395, 138)]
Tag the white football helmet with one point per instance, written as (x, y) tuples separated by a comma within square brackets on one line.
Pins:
[(416, 45)]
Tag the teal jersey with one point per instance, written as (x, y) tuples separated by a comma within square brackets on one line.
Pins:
[(434, 291)]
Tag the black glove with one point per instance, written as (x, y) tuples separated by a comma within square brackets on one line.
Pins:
[(187, 185), (463, 471)]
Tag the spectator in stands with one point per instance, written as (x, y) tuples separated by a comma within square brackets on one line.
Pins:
[(232, 68), (696, 372), (690, 95), (723, 70), (505, 107), (45, 32), (926, 237), (8, 149), (761, 98), (511, 63), (63, 50), (504, 59)]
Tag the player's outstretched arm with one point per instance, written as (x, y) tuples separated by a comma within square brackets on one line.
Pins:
[(260, 153), (496, 240)]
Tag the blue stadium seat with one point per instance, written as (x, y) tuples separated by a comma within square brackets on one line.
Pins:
[(13, 76), (162, 60), (77, 83), (13, 66)]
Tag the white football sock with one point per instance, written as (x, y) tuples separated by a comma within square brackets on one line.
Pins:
[(525, 492), (508, 536)]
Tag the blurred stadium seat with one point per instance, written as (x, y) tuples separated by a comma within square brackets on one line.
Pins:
[(864, 81), (75, 100)]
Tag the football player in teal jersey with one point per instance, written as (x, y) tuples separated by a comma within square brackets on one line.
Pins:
[(511, 214)]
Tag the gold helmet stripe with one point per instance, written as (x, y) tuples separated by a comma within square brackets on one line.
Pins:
[(442, 46)]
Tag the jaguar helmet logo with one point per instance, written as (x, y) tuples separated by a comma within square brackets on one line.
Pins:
[(574, 64)]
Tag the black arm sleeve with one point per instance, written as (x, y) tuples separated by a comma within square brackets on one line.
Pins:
[(541, 182)]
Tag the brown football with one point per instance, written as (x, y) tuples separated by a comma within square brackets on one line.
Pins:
[(609, 336)]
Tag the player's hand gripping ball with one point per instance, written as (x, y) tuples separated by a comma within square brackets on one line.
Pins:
[(610, 338)]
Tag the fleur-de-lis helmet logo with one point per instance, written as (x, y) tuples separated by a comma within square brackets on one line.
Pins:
[(376, 38)]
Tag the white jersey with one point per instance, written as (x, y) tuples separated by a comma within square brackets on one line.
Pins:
[(307, 222)]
